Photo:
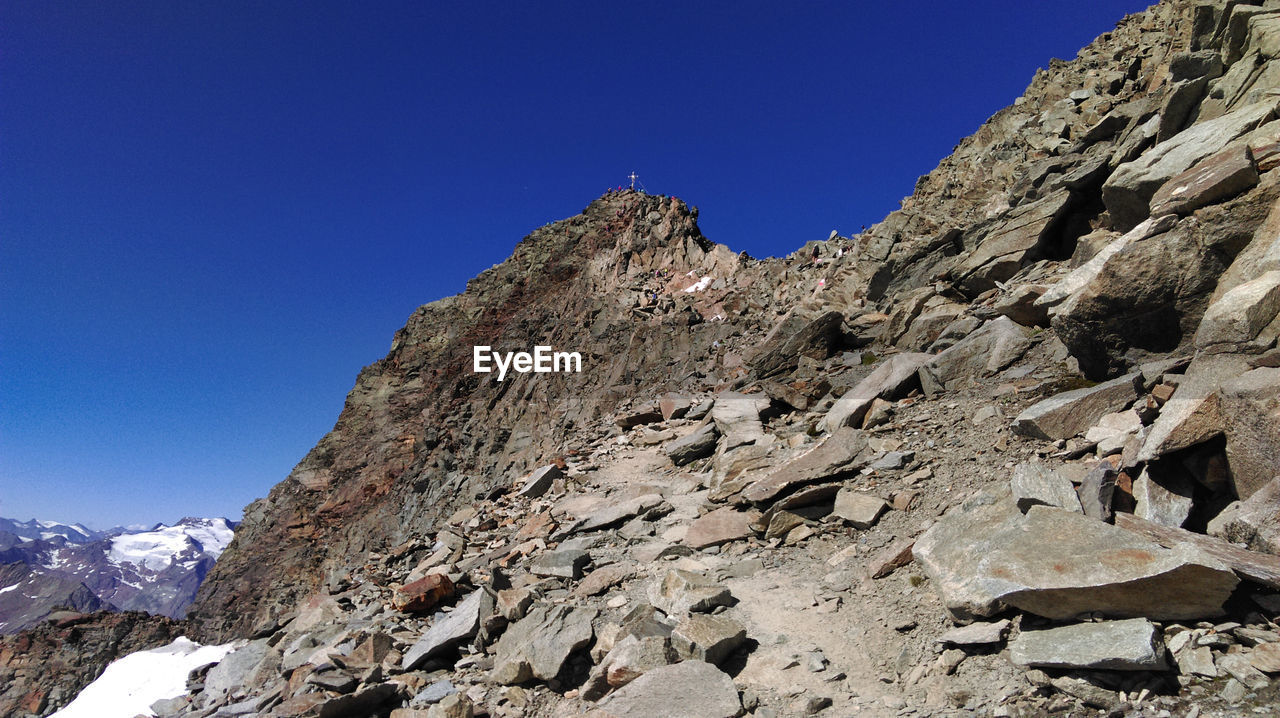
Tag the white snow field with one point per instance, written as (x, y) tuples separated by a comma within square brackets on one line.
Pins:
[(131, 684)]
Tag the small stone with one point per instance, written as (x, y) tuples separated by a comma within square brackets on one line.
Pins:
[(859, 509), (539, 482), (976, 634), (563, 563)]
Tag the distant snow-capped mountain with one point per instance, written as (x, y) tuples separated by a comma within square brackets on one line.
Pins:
[(156, 570), (48, 530)]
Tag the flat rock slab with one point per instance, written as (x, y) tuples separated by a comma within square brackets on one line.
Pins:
[(1211, 180), (1260, 568), (1072, 412), (537, 645), (859, 509), (1132, 645), (720, 526), (613, 515), (1037, 484), (563, 563), (888, 380), (976, 634), (737, 417), (985, 554), (602, 579), (539, 482), (691, 689), (451, 629), (840, 454)]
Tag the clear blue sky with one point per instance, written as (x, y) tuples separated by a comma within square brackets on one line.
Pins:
[(212, 214)]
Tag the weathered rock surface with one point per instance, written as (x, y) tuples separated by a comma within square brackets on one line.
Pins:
[(994, 346), (1132, 645), (451, 629), (1072, 412), (1216, 178), (887, 381), (720, 526), (1038, 484), (690, 689), (679, 592), (840, 454), (1254, 522), (1060, 564), (538, 645)]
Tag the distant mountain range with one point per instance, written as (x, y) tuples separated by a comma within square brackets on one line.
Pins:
[(46, 564)]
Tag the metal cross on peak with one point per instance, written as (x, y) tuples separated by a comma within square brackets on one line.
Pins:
[(633, 177)]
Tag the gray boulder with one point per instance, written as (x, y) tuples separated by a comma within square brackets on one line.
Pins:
[(1132, 645), (984, 554), (538, 645)]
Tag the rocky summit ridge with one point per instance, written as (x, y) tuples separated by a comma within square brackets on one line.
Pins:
[(1012, 451)]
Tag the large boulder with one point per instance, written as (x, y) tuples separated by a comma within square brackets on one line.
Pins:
[(1217, 178), (781, 352), (1149, 296), (985, 554), (1006, 247), (1128, 191)]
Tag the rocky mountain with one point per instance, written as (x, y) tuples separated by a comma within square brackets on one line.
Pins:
[(33, 530), (1015, 450), (156, 571)]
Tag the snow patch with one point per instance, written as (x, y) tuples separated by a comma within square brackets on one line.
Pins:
[(131, 684), (701, 284), (7, 589)]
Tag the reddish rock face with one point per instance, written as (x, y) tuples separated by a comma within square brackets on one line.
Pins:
[(423, 594)]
